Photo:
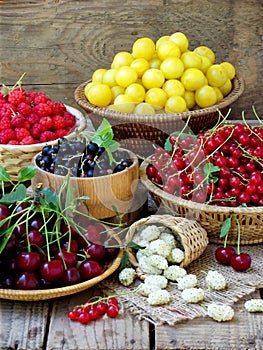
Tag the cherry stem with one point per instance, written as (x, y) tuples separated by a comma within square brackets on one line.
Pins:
[(238, 234)]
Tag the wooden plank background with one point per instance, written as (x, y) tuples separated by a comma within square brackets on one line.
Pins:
[(60, 43)]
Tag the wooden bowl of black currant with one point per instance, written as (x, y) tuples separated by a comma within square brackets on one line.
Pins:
[(108, 179)]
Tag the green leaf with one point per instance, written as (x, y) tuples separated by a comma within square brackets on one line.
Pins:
[(134, 245), (27, 173), (124, 260), (4, 176), (5, 238), (104, 127), (209, 169), (49, 196), (19, 194), (225, 227)]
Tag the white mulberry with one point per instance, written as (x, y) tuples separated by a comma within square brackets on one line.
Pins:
[(176, 256), (150, 233), (159, 247), (173, 272), (215, 280), (254, 305), (159, 297), (193, 295), (158, 280), (187, 281), (220, 312), (127, 276), (158, 261)]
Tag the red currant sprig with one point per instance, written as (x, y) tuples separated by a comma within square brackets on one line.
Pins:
[(93, 310)]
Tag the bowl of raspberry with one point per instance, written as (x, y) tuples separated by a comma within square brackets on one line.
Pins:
[(29, 120)]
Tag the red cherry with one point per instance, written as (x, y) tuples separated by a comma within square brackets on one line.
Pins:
[(27, 280), (89, 269), (4, 211), (70, 258), (52, 270), (28, 261), (71, 276), (241, 262), (96, 251), (223, 255)]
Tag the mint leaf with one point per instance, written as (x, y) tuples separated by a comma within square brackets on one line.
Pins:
[(27, 173)]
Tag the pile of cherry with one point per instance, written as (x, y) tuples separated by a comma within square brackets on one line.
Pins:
[(222, 166), (43, 252)]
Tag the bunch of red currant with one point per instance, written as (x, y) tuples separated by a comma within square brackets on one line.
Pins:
[(29, 117), (93, 310), (222, 166)]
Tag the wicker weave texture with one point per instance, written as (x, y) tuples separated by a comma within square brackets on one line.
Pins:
[(210, 217), (191, 235), (14, 157), (139, 132)]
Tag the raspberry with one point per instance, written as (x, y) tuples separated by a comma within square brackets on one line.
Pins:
[(47, 122), (33, 119), (5, 123), (28, 140), (16, 96), (7, 110), (61, 133), (37, 130), (41, 98), (47, 136), (58, 122), (69, 119), (43, 110), (18, 121), (13, 142), (21, 133), (24, 109), (58, 108), (7, 135)]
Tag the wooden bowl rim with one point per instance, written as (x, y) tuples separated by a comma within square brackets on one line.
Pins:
[(91, 179)]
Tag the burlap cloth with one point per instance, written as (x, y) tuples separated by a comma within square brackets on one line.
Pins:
[(239, 284)]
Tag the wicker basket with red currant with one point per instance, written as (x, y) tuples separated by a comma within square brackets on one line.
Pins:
[(215, 177)]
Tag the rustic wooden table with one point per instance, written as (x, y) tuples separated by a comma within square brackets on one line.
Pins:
[(59, 44)]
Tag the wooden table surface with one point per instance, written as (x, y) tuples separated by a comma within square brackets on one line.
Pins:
[(59, 44)]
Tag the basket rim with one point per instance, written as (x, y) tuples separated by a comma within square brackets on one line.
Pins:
[(237, 90), (190, 204), (45, 294), (80, 125), (91, 179)]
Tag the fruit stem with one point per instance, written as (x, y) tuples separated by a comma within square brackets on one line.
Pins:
[(238, 234)]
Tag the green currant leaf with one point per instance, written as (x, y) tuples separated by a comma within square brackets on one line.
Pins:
[(50, 197), (225, 227), (134, 245), (19, 194), (27, 173), (4, 176), (5, 238), (124, 260)]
